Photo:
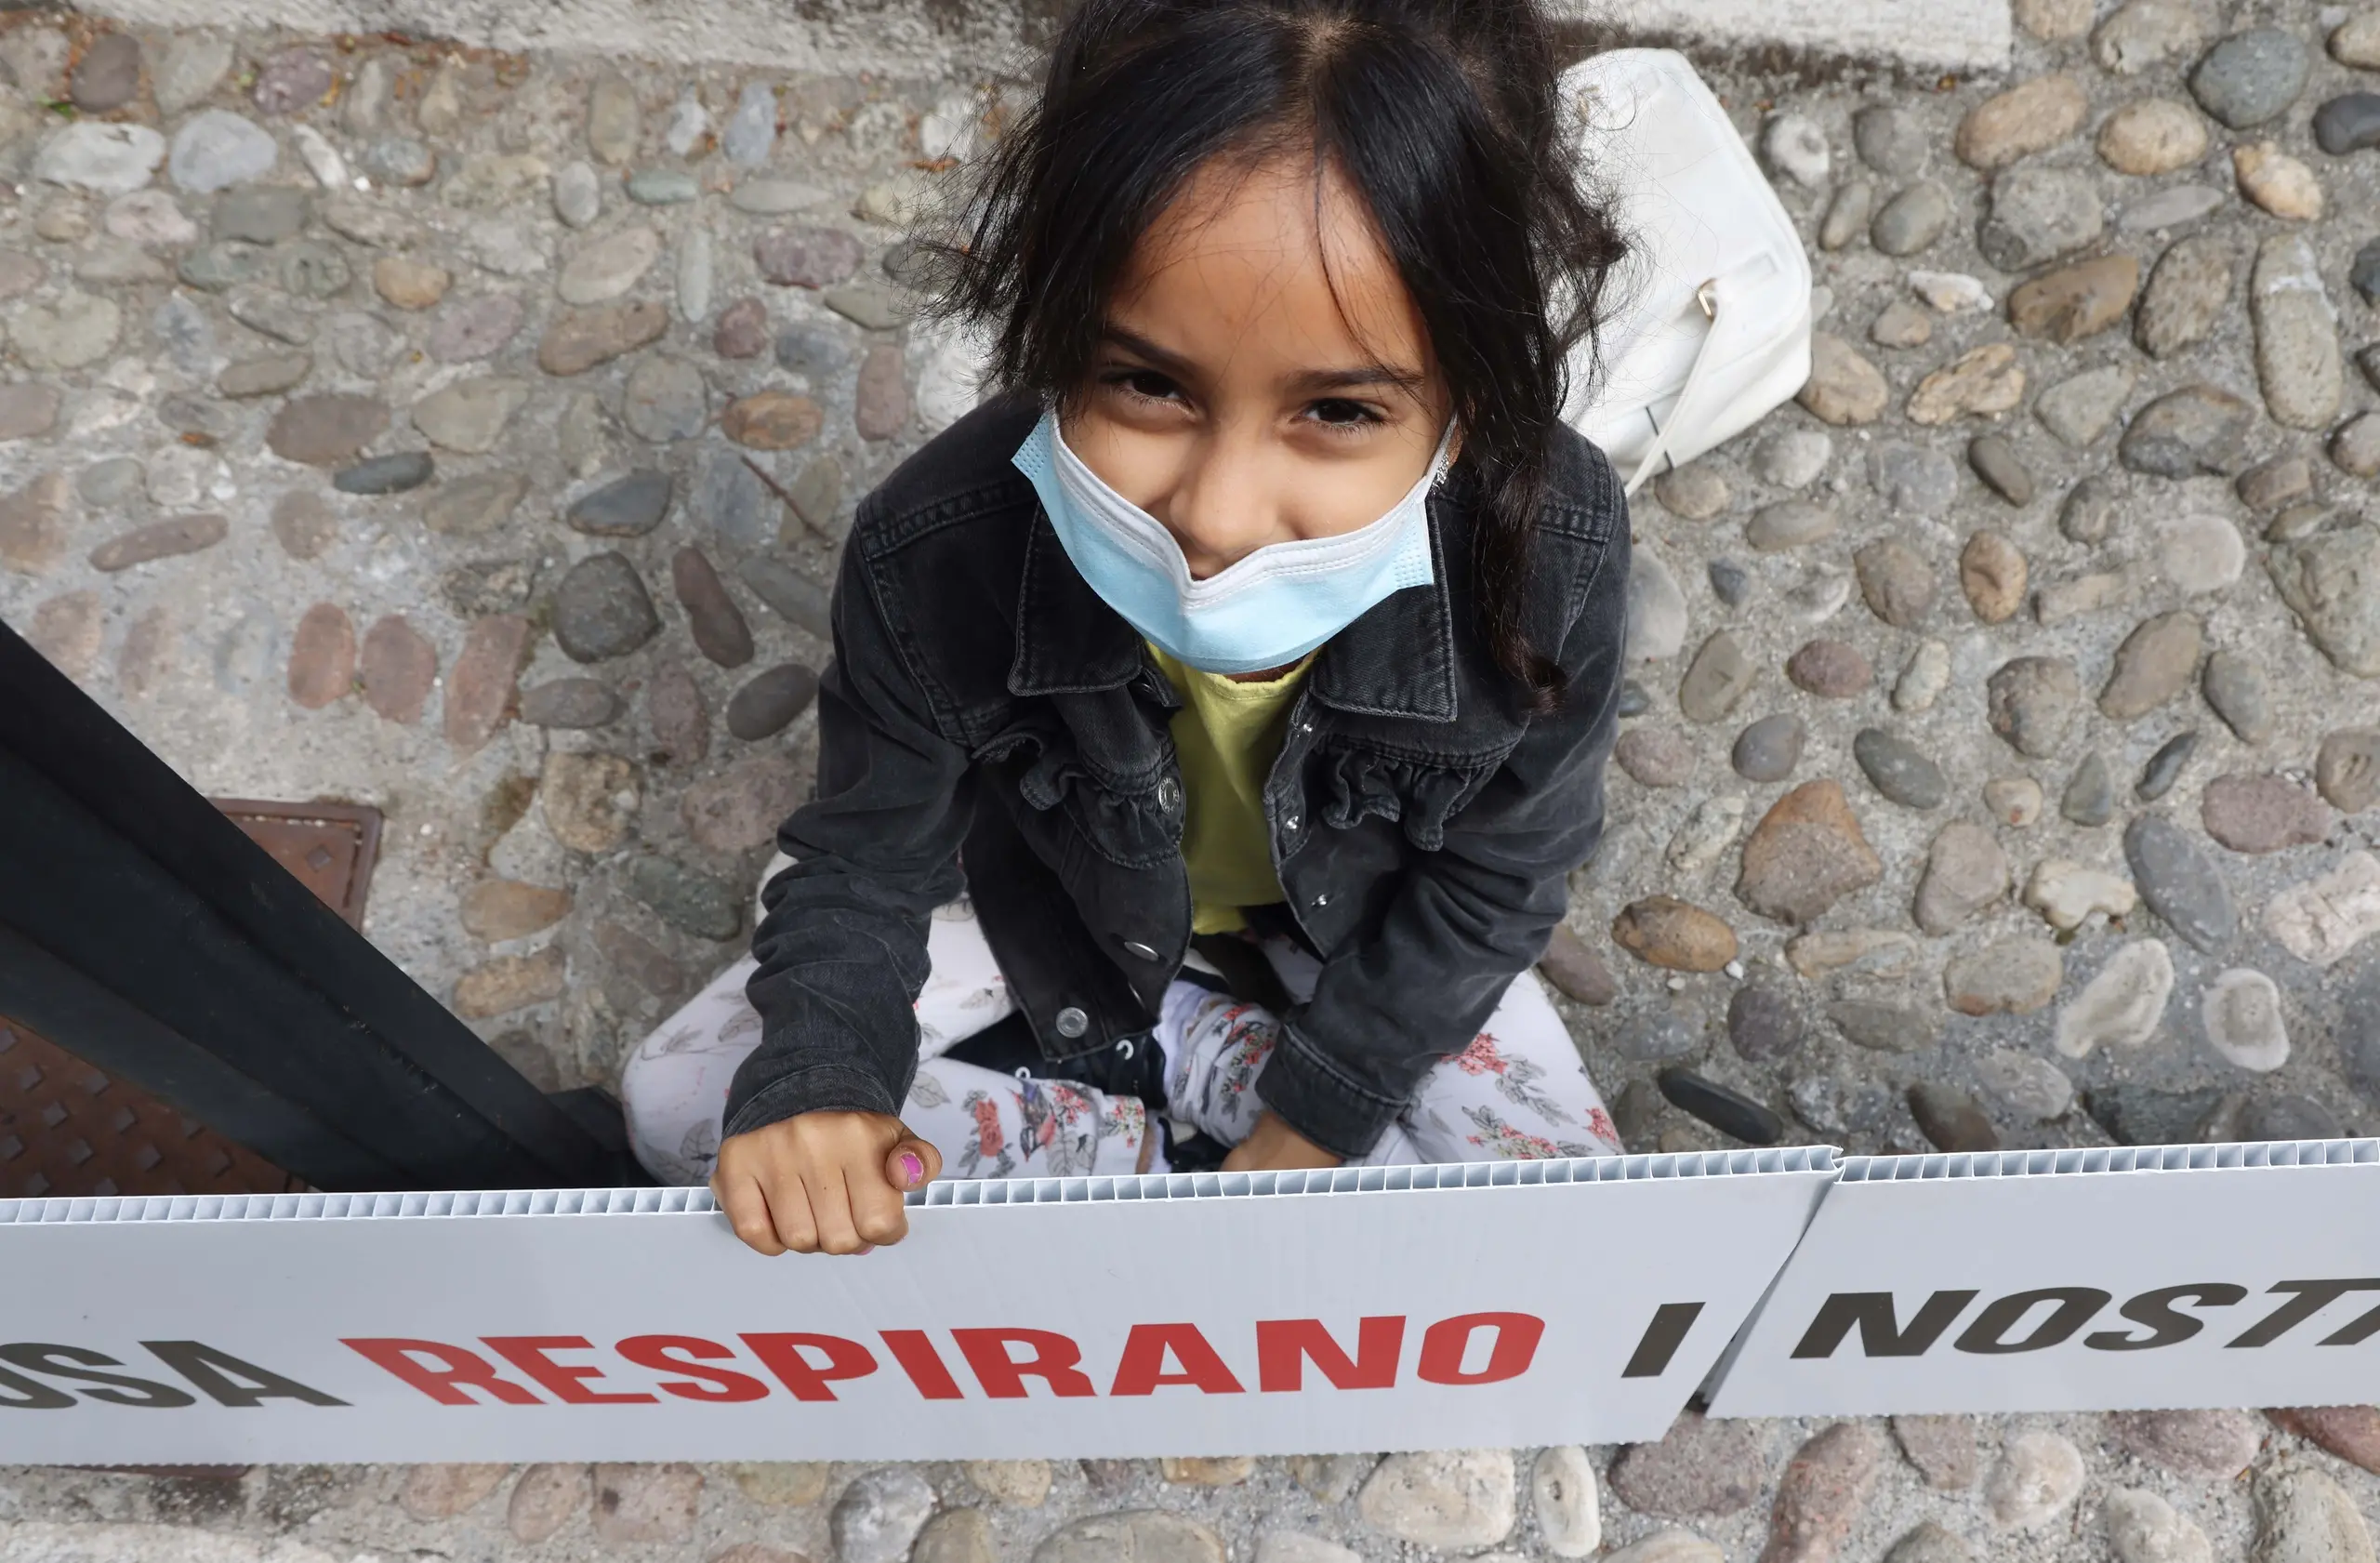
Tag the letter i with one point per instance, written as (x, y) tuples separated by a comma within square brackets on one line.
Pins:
[(922, 1363)]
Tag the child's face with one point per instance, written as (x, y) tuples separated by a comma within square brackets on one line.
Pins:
[(1266, 377)]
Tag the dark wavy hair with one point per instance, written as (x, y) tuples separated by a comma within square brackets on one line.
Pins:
[(1442, 116)]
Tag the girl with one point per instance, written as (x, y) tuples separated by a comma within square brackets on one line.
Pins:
[(1250, 663)]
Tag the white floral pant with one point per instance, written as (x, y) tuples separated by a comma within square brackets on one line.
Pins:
[(1518, 1092)]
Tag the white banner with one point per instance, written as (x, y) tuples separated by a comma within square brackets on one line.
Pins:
[(2166, 1276), (1495, 1305)]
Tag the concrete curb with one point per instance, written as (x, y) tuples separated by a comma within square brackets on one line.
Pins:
[(931, 38)]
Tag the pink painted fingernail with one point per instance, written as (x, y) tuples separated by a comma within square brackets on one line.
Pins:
[(913, 1170)]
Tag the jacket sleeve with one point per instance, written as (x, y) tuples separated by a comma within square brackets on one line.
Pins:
[(841, 946), (1470, 917)]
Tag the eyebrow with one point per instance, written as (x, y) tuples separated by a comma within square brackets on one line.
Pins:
[(1311, 382)]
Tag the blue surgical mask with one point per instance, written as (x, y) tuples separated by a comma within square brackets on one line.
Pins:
[(1267, 609)]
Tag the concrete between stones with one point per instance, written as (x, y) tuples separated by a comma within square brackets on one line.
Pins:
[(922, 36)]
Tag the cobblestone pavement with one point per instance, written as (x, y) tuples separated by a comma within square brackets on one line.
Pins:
[(471, 436)]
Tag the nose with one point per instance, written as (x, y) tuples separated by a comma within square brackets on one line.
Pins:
[(1224, 506)]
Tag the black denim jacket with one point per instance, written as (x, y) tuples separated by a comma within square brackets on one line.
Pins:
[(984, 706)]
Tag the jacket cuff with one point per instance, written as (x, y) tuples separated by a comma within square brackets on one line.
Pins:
[(821, 1087), (1318, 1099)]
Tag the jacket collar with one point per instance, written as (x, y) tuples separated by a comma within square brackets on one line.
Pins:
[(1396, 660)]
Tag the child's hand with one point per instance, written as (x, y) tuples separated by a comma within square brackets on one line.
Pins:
[(823, 1181), (1274, 1146)]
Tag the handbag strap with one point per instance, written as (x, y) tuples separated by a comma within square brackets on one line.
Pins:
[(1708, 297)]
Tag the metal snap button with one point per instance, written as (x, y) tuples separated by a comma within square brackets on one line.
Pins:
[(1168, 795), (1289, 824), (1072, 1022), (1134, 947), (1323, 899)]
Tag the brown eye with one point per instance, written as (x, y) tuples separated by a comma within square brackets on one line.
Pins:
[(1340, 412), (1146, 382)]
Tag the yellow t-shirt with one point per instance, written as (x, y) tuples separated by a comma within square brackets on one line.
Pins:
[(1227, 735)]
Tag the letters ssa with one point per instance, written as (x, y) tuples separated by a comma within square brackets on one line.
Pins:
[(1288, 1354)]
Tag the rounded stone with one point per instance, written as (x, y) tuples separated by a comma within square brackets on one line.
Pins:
[(2262, 813), (665, 400), (1788, 523), (1730, 1112), (1792, 458), (2179, 883), (2082, 407), (325, 431), (1891, 141), (805, 257), (1966, 871), (2030, 117), (397, 668), (742, 330), (2033, 702), (1894, 582), (2037, 1477), (1691, 492), (1953, 1120), (716, 625), (2209, 1445), (2152, 136), (2123, 1005), (1992, 575), (476, 328), (1762, 1025), (2277, 182), (1699, 1468), (601, 609), (2038, 215), (2155, 663), (772, 421), (610, 266), (1912, 220), (1663, 931), (1770, 748), (2024, 1086), (770, 700), (2250, 77), (1899, 769), (570, 703), (1563, 1494), (1913, 480), (1843, 388), (2145, 34), (1140, 1535), (2347, 769), (2242, 1014), (1901, 323), (409, 283), (2198, 429), (104, 159), (387, 474), (216, 149), (546, 1497), (2165, 766), (1830, 668), (1655, 757)]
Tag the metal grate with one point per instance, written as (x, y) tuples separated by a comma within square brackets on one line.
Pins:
[(66, 1129), (69, 1130)]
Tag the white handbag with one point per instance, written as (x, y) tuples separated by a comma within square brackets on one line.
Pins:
[(1712, 324)]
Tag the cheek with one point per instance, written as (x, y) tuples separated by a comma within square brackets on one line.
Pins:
[(1335, 497), (1143, 465)]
